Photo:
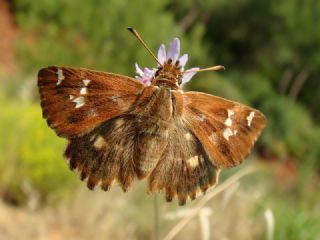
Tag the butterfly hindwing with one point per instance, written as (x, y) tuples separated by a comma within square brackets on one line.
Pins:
[(104, 155), (75, 100), (226, 129), (184, 169)]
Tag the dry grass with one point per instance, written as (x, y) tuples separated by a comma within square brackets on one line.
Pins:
[(229, 216), (88, 215), (114, 215)]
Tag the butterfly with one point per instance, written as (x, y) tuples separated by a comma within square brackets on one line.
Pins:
[(120, 129)]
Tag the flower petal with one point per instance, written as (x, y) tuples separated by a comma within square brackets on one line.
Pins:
[(139, 78), (147, 71), (183, 60), (146, 82), (162, 56), (174, 50), (148, 75), (138, 70), (186, 77)]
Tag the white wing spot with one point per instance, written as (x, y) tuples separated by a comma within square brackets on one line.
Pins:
[(250, 118), (67, 160), (118, 147), (99, 142), (227, 133), (165, 133), (71, 97), (92, 137), (79, 102), (114, 99), (228, 121), (188, 136), (193, 161), (230, 113), (118, 123), (83, 91), (214, 138), (60, 76), (92, 113), (201, 159), (86, 82), (202, 117)]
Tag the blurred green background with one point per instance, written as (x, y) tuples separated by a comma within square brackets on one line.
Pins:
[(271, 50)]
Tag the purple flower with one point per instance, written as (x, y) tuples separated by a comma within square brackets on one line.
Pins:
[(144, 76), (173, 53)]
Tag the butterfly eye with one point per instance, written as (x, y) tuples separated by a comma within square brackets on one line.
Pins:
[(158, 71), (179, 79)]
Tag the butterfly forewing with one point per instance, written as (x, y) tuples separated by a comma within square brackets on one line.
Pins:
[(226, 129), (76, 100)]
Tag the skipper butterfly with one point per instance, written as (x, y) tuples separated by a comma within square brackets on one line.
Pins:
[(121, 129)]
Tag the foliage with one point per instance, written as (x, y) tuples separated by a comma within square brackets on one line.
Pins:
[(93, 34), (270, 50), (31, 155), (297, 217)]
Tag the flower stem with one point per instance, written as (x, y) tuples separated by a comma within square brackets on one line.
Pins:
[(156, 217)]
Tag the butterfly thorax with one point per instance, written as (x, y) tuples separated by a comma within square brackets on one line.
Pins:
[(168, 75)]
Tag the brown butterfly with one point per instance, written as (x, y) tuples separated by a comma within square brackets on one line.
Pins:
[(120, 129)]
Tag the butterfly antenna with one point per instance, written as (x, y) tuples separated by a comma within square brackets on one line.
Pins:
[(213, 68), (136, 34)]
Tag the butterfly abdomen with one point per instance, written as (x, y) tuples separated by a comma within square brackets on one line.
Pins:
[(154, 120), (150, 144)]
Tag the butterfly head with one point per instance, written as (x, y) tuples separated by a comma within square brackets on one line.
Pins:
[(169, 74), (170, 71)]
